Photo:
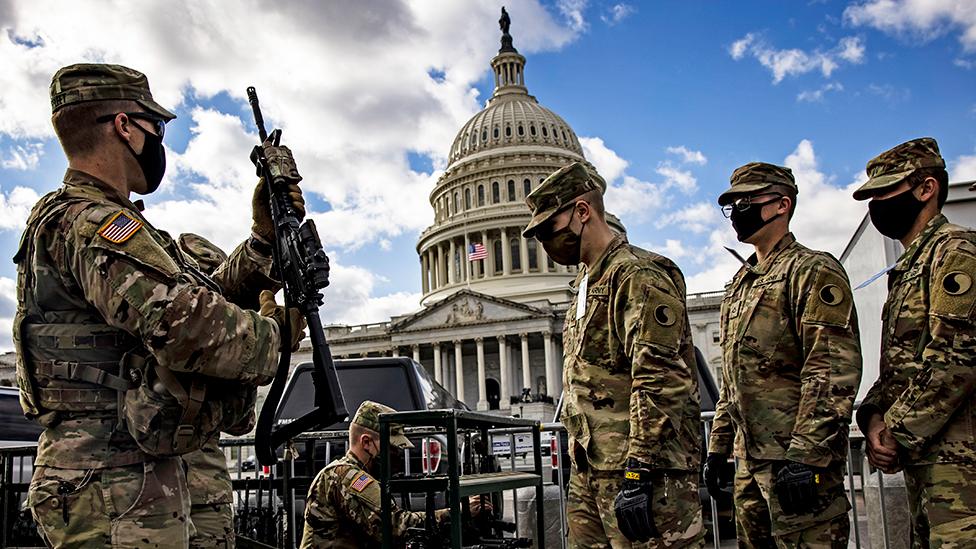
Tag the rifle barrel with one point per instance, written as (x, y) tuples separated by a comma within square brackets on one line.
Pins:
[(252, 98)]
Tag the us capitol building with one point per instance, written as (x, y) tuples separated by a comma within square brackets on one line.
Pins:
[(490, 330)]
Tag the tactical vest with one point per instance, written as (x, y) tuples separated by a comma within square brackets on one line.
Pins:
[(72, 364)]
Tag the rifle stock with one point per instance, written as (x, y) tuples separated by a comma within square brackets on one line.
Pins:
[(302, 268)]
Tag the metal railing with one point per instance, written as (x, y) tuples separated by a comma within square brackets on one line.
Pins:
[(269, 503)]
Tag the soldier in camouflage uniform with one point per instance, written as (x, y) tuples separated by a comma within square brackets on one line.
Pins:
[(343, 507), (127, 352), (920, 414), (791, 367), (631, 403)]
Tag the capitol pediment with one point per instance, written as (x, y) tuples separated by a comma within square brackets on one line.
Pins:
[(466, 308)]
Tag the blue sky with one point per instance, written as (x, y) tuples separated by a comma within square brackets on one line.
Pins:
[(667, 97)]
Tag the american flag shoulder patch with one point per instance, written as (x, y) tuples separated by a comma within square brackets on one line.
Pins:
[(362, 482), (120, 228)]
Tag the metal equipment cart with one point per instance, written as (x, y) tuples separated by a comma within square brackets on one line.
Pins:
[(456, 486)]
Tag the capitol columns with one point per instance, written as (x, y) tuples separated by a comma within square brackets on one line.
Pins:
[(486, 269), (482, 386), (437, 361), (524, 254), (506, 253), (526, 371), (550, 369), (468, 267), (459, 370), (506, 374), (441, 279), (451, 273), (425, 272), (416, 353)]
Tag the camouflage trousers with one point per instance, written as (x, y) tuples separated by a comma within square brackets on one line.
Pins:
[(211, 497), (593, 525), (141, 505), (760, 522), (214, 525), (942, 498)]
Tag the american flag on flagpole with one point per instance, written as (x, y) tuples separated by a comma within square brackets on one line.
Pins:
[(477, 252)]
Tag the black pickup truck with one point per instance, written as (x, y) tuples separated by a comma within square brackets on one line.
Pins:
[(398, 382)]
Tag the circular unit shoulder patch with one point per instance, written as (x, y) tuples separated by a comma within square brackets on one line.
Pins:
[(831, 294), (957, 283), (664, 315)]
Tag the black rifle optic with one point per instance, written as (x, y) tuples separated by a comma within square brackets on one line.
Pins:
[(302, 268)]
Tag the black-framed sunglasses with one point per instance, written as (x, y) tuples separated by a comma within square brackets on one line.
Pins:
[(545, 231), (746, 202), (159, 124)]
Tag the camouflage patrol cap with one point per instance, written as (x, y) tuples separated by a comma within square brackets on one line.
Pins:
[(558, 191), (756, 176), (207, 255), (84, 82), (368, 416), (891, 167)]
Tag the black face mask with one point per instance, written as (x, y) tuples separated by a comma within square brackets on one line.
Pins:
[(152, 159), (563, 246), (747, 222), (895, 215)]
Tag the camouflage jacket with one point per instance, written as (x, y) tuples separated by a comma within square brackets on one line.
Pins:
[(631, 389), (72, 272), (343, 509), (791, 359), (927, 384)]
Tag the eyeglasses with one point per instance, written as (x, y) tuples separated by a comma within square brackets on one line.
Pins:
[(545, 231), (745, 203), (159, 124)]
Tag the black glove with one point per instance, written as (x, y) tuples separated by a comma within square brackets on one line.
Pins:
[(715, 477), (633, 504), (796, 487)]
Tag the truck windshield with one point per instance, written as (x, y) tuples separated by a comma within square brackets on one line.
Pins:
[(388, 384)]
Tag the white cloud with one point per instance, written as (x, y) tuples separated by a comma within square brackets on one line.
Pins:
[(607, 162), (891, 94), (696, 218), (573, 10), (967, 64), (851, 49), (738, 48), (794, 62), (688, 156), (634, 198), (683, 180), (917, 19), (817, 95), (963, 168), (22, 157), (617, 13), (350, 298), (826, 215), (15, 206)]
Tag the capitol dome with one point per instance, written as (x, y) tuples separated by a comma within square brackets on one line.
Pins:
[(513, 119), (497, 158)]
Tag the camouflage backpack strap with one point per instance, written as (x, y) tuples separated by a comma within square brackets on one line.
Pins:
[(191, 400)]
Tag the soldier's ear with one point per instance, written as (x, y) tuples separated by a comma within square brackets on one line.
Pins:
[(584, 210), (928, 188)]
